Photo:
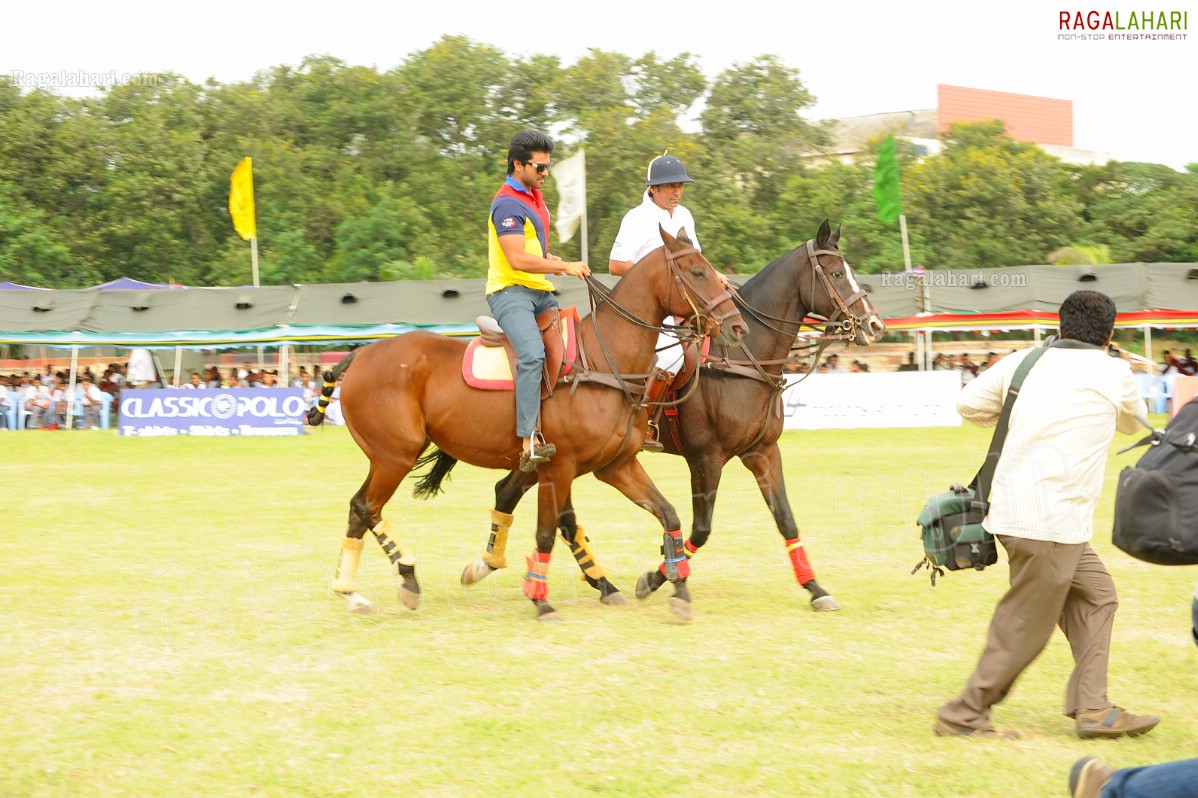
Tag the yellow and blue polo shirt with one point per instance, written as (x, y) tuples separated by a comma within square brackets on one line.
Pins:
[(517, 211)]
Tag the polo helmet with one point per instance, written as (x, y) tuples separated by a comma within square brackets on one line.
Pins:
[(666, 169)]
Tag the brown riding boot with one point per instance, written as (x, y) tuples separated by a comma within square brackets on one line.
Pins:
[(652, 442), (656, 386)]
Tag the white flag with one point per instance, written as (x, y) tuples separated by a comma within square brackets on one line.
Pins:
[(570, 176)]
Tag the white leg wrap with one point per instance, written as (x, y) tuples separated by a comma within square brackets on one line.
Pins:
[(345, 580)]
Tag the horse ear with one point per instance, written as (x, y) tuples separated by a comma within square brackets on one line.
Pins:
[(684, 236), (834, 238), (667, 239), (821, 237)]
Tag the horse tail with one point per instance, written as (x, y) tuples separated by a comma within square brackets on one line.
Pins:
[(316, 414), (429, 485)]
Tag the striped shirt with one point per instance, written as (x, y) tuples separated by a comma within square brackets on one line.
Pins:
[(1049, 475)]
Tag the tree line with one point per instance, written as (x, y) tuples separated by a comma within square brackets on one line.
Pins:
[(369, 175)]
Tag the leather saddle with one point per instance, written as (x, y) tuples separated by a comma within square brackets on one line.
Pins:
[(490, 360), (691, 356)]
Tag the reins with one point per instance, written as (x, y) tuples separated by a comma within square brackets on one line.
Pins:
[(706, 323), (831, 329)]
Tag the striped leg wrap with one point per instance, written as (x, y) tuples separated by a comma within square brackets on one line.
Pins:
[(676, 563), (580, 547), (496, 555), (402, 559), (798, 561), (536, 578), (345, 580)]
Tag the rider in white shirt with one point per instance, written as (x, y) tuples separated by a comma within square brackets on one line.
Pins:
[(639, 235)]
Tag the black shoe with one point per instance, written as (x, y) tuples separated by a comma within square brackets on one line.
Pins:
[(541, 453)]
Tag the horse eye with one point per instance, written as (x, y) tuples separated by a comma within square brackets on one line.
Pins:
[(838, 275)]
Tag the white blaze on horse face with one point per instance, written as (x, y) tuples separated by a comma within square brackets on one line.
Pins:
[(848, 272)]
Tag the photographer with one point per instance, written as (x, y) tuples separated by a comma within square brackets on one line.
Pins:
[(1045, 490)]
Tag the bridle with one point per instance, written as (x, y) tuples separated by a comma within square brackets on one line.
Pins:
[(833, 329), (706, 322), (837, 329)]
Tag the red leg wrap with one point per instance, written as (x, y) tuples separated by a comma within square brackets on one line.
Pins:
[(798, 561), (676, 562), (536, 578)]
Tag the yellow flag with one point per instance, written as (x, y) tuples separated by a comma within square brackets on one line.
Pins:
[(241, 200)]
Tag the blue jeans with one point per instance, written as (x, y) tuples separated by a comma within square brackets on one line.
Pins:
[(1168, 780), (516, 308)]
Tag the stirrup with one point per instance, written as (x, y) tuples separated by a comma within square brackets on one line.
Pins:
[(541, 453), (652, 442)]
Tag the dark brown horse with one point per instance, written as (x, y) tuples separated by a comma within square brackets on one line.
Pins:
[(736, 410), (403, 394)]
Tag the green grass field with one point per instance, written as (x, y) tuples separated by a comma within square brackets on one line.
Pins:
[(167, 631)]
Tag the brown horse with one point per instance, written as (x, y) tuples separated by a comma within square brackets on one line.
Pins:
[(736, 410), (403, 394)]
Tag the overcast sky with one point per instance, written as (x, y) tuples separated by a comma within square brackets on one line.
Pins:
[(1132, 99)]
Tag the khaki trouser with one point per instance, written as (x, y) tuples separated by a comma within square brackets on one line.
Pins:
[(1052, 584)]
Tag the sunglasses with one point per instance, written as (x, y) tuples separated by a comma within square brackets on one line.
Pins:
[(541, 168)]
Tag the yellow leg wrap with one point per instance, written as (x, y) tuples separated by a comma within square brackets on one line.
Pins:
[(395, 552), (585, 555), (345, 580), (496, 554)]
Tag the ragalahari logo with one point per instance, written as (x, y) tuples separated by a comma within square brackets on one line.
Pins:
[(1123, 25)]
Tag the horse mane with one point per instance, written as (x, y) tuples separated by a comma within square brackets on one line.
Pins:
[(760, 287), (758, 283)]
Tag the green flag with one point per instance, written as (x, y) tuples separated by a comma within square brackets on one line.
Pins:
[(886, 183)]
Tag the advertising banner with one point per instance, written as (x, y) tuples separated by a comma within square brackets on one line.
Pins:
[(215, 412), (894, 399)]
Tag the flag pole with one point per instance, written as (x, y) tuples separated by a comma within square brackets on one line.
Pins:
[(254, 258), (582, 151), (926, 354)]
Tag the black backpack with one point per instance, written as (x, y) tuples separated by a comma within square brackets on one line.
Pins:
[(1156, 501)]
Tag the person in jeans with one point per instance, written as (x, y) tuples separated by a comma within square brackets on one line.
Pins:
[(1042, 501), (517, 287), (1089, 778)]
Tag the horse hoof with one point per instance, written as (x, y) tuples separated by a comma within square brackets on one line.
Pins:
[(681, 609), (356, 604), (409, 598), (644, 585), (824, 604), (545, 611), (614, 599), (477, 571)]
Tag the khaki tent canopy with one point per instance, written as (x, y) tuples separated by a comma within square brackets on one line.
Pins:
[(215, 317)]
